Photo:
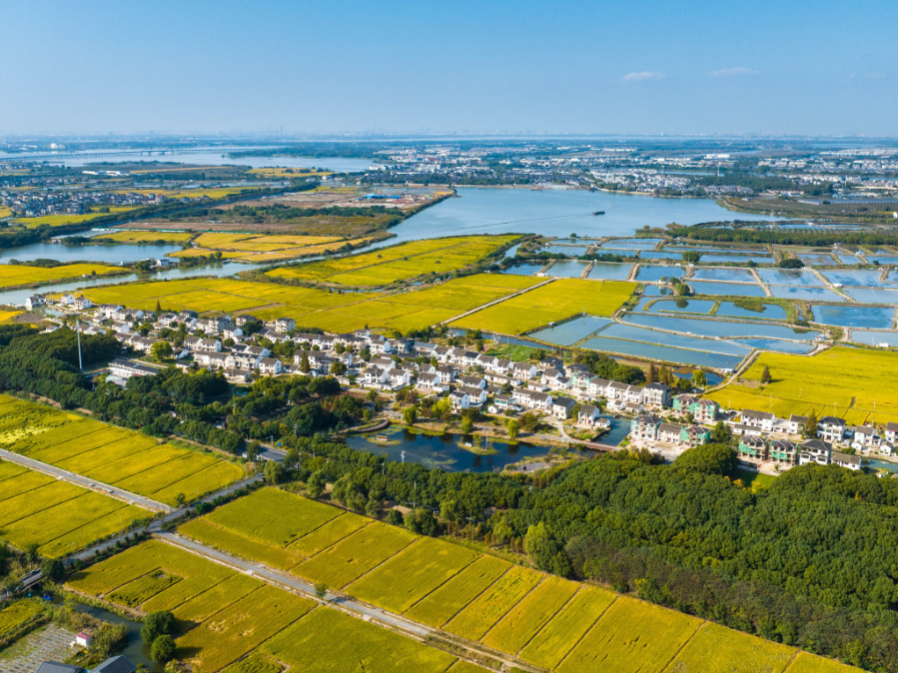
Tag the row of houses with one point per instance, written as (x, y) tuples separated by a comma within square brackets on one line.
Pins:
[(755, 450)]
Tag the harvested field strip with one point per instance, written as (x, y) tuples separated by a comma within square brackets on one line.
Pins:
[(86, 462), (743, 653), (273, 516), (74, 430), (212, 534), (403, 580), (328, 534), (443, 603), (520, 624), (356, 554), (240, 628), (562, 633), (481, 614), (632, 635), (362, 647), (52, 453)]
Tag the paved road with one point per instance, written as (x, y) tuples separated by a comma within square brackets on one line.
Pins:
[(367, 612), (87, 483)]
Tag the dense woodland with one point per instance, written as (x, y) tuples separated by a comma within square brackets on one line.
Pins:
[(750, 232)]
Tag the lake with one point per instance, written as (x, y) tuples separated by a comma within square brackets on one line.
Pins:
[(111, 255), (444, 451)]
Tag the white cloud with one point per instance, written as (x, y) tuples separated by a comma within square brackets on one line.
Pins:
[(644, 75), (732, 72)]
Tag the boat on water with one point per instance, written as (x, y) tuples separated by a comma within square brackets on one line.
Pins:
[(599, 213)]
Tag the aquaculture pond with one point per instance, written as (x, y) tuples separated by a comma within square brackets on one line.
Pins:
[(572, 331), (854, 317), (526, 269), (656, 273), (805, 293), (447, 451), (610, 271), (568, 269), (872, 295), (739, 259), (727, 275), (656, 291), (857, 277), (650, 336), (725, 251), (790, 277), (667, 354), (874, 337), (770, 312), (732, 289), (565, 250), (632, 244), (711, 328), (780, 345), (660, 255), (813, 259), (683, 305), (847, 258)]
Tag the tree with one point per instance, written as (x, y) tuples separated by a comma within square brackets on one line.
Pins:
[(394, 517), (765, 376), (317, 484), (274, 472), (713, 458), (321, 590), (53, 570), (514, 427), (810, 426), (158, 308), (180, 499), (790, 263), (161, 351), (691, 256), (304, 363), (253, 449), (699, 378), (338, 367), (410, 415), (163, 648), (157, 624), (421, 521), (466, 425), (721, 434)]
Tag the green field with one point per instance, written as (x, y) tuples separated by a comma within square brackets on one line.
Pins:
[(397, 263), (316, 308), (845, 381), (550, 303), (111, 455), (58, 517)]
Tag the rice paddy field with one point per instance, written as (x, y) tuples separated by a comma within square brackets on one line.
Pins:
[(842, 381), (111, 455), (312, 307), (228, 621), (407, 260), (58, 517), (69, 219), (550, 303), (145, 236), (549, 622), (17, 614), (14, 275)]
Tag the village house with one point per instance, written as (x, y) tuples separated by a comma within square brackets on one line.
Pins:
[(202, 344), (891, 433), (693, 436), (831, 429), (864, 437), (849, 461), (656, 395), (284, 324), (815, 451), (752, 449), (761, 420), (588, 415), (645, 427), (562, 407), (796, 424), (783, 451), (270, 366)]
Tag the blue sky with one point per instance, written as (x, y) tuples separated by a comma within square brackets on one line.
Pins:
[(424, 67)]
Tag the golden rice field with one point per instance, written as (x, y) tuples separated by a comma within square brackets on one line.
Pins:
[(312, 307), (9, 316), (849, 382), (229, 621), (199, 193), (549, 622), (397, 263), (13, 275), (17, 614), (111, 455), (5, 212), (58, 517), (550, 303), (274, 172), (145, 236), (57, 220)]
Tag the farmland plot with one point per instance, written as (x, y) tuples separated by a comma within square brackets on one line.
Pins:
[(363, 647), (743, 653)]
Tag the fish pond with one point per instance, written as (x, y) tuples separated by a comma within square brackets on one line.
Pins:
[(854, 317)]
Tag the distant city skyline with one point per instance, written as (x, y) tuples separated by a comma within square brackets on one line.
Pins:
[(402, 68)]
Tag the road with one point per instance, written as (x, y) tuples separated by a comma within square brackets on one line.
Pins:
[(81, 481)]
